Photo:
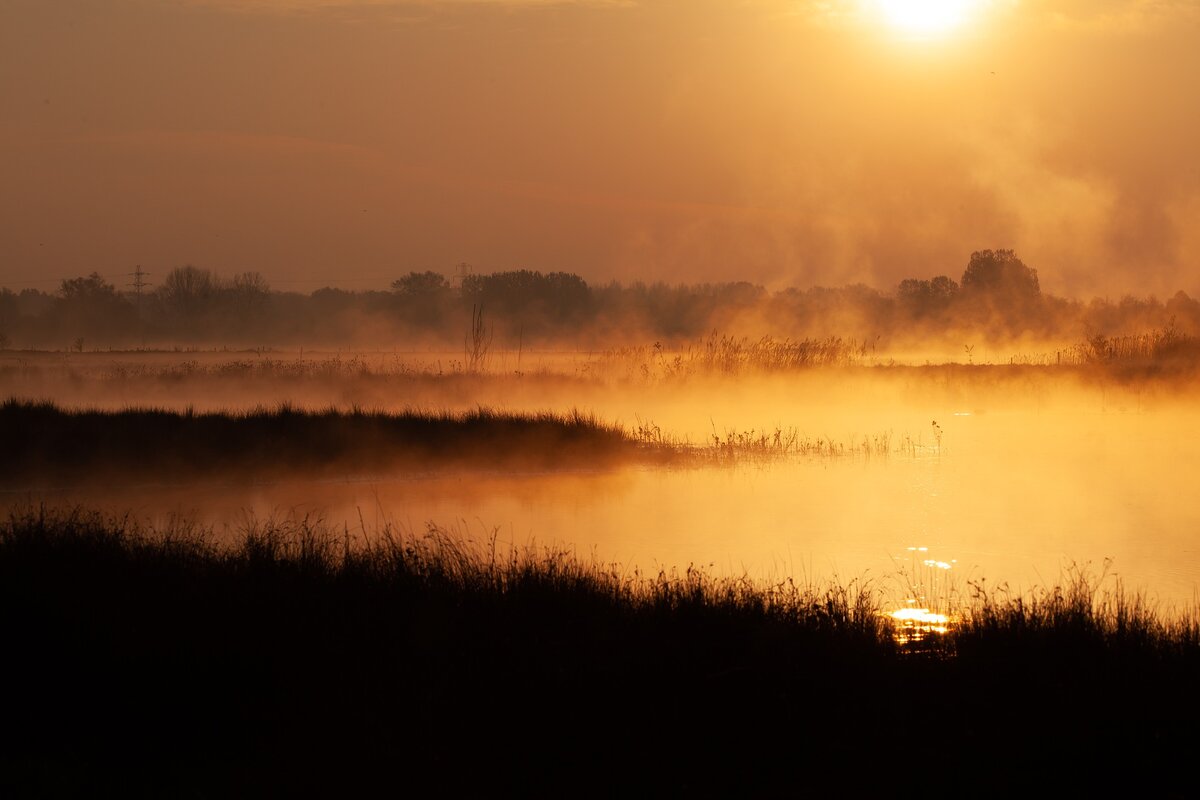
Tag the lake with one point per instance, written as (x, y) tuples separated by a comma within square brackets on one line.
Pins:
[(1009, 478)]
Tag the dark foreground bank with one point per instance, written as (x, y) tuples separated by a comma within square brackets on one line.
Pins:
[(297, 663)]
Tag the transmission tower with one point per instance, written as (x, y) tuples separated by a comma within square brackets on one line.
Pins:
[(139, 283), (461, 270)]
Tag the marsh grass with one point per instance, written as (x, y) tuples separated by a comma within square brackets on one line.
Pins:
[(1161, 362), (44, 443), (758, 445), (782, 442), (301, 657), (1166, 348), (48, 445), (300, 654), (723, 356), (1091, 607)]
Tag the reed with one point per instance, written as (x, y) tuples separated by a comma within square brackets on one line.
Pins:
[(1166, 346), (298, 657), (44, 443), (48, 445)]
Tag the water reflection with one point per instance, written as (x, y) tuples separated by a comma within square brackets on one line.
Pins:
[(1013, 496), (930, 594), (916, 625)]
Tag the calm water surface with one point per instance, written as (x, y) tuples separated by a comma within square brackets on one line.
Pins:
[(1008, 496)]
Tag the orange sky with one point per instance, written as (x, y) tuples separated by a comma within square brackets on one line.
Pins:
[(789, 142)]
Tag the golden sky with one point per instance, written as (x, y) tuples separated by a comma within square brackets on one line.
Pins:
[(788, 142)]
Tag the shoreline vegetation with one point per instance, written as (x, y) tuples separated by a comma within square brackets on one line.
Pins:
[(49, 445), (1161, 365), (299, 659), (1167, 348)]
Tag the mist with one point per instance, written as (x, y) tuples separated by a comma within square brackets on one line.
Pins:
[(997, 304), (570, 397), (349, 143)]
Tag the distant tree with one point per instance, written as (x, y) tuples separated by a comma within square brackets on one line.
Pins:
[(90, 289), (331, 299), (92, 306), (1000, 273), (188, 290), (248, 293), (912, 289), (943, 288), (421, 284), (526, 300), (921, 297), (34, 303), (1001, 297), (422, 300), (1186, 311), (9, 305), (251, 283)]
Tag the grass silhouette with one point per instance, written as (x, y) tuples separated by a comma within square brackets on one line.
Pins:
[(300, 660), (46, 443)]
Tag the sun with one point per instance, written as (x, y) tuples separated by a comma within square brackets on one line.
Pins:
[(925, 17)]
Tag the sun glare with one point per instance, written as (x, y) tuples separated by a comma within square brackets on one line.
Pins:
[(925, 17)]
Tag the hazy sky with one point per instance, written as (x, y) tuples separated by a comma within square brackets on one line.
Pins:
[(789, 142)]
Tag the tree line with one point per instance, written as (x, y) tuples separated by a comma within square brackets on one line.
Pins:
[(997, 298)]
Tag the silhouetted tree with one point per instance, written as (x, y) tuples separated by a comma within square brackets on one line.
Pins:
[(34, 303), (8, 316), (422, 300), (1186, 311), (248, 293), (1001, 296), (91, 307), (1000, 272), (923, 298), (421, 284), (91, 289), (328, 300), (188, 290), (527, 300)]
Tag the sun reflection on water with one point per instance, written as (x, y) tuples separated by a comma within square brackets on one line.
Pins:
[(917, 624), (930, 594)]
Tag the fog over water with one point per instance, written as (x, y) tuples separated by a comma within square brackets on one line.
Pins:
[(1004, 473), (691, 394)]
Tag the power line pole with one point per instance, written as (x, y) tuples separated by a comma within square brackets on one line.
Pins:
[(139, 283), (139, 280), (461, 271)]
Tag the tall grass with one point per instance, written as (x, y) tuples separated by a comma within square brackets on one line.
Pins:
[(723, 355), (44, 442), (1167, 346), (1087, 603), (1092, 609), (302, 658)]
